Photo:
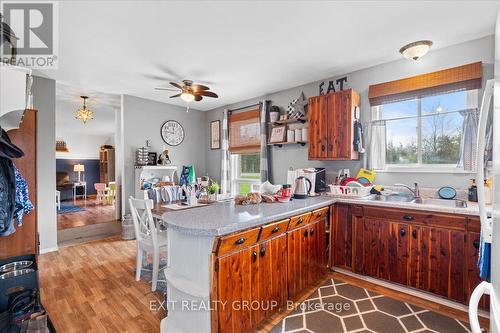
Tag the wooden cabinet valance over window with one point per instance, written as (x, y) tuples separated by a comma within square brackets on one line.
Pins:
[(244, 132), (464, 77)]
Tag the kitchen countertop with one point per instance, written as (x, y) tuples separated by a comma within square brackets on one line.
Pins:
[(226, 217)]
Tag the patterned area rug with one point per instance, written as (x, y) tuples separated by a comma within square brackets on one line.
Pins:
[(146, 274), (341, 307), (67, 207)]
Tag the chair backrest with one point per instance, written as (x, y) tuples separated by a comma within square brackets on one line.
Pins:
[(112, 186), (144, 224), (100, 186)]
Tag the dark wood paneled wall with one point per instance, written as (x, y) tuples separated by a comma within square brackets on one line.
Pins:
[(25, 239)]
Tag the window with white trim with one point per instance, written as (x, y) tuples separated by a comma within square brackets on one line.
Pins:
[(425, 132), (245, 170)]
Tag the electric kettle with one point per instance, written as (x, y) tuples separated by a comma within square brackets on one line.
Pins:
[(302, 187)]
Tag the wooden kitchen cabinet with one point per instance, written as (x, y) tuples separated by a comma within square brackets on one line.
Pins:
[(341, 236), (437, 261), (331, 120), (252, 285), (473, 278), (306, 256)]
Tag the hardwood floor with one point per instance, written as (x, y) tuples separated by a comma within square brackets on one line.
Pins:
[(93, 214), (91, 288)]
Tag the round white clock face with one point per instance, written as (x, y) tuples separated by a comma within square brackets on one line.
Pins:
[(172, 133)]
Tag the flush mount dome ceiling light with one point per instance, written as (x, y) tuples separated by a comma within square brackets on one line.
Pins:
[(84, 114), (416, 50)]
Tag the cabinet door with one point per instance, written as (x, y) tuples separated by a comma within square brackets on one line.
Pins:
[(437, 261), (298, 252), (234, 287), (272, 257), (473, 278), (375, 248), (341, 236), (317, 132), (339, 125), (398, 252)]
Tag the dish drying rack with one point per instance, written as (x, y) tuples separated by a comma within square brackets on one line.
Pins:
[(342, 191)]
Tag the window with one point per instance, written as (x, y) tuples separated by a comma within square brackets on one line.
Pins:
[(426, 131), (246, 171)]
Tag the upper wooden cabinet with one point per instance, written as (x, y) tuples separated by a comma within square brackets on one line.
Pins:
[(331, 121)]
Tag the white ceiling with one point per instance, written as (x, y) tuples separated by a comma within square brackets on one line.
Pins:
[(68, 101), (244, 49)]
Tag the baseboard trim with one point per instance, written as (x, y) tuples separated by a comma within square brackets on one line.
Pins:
[(50, 249)]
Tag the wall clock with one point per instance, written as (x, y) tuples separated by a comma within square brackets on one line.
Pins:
[(172, 133)]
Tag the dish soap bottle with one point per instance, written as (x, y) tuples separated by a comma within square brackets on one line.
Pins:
[(473, 191)]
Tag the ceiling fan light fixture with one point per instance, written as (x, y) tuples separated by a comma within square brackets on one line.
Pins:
[(84, 114), (187, 97), (416, 50)]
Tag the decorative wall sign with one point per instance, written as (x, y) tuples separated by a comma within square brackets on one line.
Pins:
[(332, 86), (278, 134), (215, 134), (172, 133)]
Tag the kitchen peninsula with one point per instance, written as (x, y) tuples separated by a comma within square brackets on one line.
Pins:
[(224, 257)]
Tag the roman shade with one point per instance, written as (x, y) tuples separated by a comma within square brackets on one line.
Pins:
[(244, 132), (464, 77)]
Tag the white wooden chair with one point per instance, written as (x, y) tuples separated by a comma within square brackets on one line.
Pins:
[(149, 239)]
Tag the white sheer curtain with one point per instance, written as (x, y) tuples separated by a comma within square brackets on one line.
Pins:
[(264, 162), (225, 177), (377, 144), (468, 153)]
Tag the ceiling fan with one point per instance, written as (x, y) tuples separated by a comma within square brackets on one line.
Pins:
[(189, 92)]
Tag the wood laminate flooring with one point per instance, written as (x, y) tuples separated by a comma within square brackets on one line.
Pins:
[(94, 213), (91, 287)]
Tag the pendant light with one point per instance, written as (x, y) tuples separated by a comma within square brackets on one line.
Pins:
[(416, 50), (84, 114)]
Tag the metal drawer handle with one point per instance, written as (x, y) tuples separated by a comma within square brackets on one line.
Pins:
[(476, 244), (300, 221), (414, 234), (408, 218), (254, 256), (311, 232), (240, 241), (402, 232), (306, 233), (322, 147), (263, 251), (275, 230)]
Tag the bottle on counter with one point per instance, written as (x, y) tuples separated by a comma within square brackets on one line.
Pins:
[(473, 191)]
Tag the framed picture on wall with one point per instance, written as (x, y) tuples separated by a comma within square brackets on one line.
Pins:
[(215, 134), (277, 134)]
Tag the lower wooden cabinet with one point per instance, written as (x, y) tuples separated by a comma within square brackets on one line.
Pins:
[(252, 285), (431, 252), (306, 256), (473, 278)]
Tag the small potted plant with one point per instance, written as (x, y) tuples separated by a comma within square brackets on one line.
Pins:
[(213, 190)]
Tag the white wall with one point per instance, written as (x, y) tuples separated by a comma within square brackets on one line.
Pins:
[(296, 157), (141, 120), (82, 146), (44, 100)]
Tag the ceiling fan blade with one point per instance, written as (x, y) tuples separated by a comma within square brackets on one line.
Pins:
[(197, 98), (169, 89), (175, 95), (176, 85), (207, 93), (199, 87)]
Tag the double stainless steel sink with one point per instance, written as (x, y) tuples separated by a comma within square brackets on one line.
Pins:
[(420, 201)]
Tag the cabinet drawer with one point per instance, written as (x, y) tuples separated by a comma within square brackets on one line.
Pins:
[(299, 221), (319, 214), (273, 229), (237, 241), (421, 217)]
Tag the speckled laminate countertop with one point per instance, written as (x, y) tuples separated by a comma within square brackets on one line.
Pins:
[(226, 217)]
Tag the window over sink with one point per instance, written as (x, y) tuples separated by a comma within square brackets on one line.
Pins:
[(426, 132)]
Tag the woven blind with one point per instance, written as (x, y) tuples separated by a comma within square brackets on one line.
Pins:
[(464, 77), (244, 132)]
